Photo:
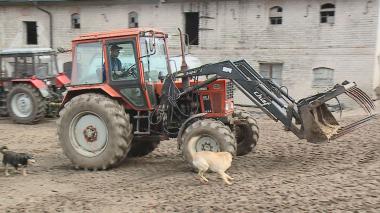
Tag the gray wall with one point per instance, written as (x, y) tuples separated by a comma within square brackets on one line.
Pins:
[(230, 30)]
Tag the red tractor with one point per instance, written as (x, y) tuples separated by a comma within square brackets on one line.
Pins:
[(123, 99), (30, 85)]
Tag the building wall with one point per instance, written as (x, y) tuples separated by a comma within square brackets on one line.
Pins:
[(229, 30)]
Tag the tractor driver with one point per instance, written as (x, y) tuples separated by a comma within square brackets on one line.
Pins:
[(115, 63)]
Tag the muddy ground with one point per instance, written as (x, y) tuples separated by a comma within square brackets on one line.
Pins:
[(284, 174)]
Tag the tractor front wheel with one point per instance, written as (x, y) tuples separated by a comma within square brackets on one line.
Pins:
[(94, 131), (246, 132), (25, 104), (206, 135)]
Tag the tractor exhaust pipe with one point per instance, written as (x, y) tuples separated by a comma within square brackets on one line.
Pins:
[(184, 67)]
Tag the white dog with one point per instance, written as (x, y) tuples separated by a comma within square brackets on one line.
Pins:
[(217, 162)]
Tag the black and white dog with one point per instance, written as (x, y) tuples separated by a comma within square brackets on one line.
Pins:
[(16, 160)]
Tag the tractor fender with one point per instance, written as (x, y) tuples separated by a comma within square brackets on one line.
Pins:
[(37, 83), (185, 125), (61, 80), (73, 91)]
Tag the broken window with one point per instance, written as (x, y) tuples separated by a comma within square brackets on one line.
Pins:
[(323, 77), (75, 21), (328, 13), (272, 71), (275, 15), (133, 20), (31, 32), (192, 27)]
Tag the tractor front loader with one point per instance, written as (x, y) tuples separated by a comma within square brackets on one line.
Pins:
[(112, 112), (309, 118)]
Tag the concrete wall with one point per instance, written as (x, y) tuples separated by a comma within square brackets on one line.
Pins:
[(230, 30)]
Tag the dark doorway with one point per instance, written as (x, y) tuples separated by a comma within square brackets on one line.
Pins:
[(31, 32), (192, 27)]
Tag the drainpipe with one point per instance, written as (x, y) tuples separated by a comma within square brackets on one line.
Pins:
[(50, 22)]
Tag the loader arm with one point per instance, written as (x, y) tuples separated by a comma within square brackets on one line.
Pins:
[(308, 118)]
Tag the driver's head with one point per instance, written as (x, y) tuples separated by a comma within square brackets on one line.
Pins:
[(115, 50)]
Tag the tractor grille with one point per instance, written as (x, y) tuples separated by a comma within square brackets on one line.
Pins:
[(229, 90)]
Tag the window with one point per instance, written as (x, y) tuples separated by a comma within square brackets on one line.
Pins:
[(87, 66), (272, 71), (31, 32), (328, 13), (323, 77), (275, 15), (133, 20), (75, 21), (192, 27), (122, 61), (156, 63)]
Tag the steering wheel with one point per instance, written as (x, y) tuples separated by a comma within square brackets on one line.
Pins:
[(131, 71)]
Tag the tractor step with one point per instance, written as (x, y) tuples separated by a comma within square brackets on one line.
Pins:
[(138, 118)]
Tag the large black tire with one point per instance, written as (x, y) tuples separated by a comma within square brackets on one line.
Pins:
[(94, 131), (25, 104), (142, 146), (206, 135), (246, 132)]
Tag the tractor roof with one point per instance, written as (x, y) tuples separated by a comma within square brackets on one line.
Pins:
[(26, 51), (115, 33)]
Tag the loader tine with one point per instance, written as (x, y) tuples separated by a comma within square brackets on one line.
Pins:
[(349, 128), (361, 105), (358, 100), (364, 95)]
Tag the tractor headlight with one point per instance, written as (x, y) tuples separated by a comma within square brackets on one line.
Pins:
[(227, 106)]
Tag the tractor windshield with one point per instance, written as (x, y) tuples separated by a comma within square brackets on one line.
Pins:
[(153, 63)]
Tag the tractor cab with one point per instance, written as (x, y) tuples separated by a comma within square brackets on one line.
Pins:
[(24, 63), (127, 63), (30, 85)]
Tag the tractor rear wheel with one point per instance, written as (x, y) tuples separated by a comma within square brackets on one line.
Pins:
[(246, 132), (142, 146), (94, 131), (25, 104), (207, 135)]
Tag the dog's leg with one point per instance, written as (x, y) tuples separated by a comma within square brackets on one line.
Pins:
[(23, 171), (200, 174), (6, 170), (229, 177), (224, 177)]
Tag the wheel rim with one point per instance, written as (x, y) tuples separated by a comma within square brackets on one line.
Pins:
[(88, 134), (207, 143), (22, 105)]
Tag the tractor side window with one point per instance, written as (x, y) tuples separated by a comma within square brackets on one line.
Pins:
[(87, 66), (154, 63), (8, 67), (44, 66), (122, 61)]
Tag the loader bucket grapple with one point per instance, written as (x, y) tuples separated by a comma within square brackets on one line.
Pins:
[(309, 118), (320, 124)]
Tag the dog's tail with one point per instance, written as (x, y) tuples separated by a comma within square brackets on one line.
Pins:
[(191, 146), (3, 148)]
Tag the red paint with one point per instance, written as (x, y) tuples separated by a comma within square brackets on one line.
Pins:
[(61, 80)]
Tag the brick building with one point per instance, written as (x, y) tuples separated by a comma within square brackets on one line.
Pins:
[(305, 45)]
